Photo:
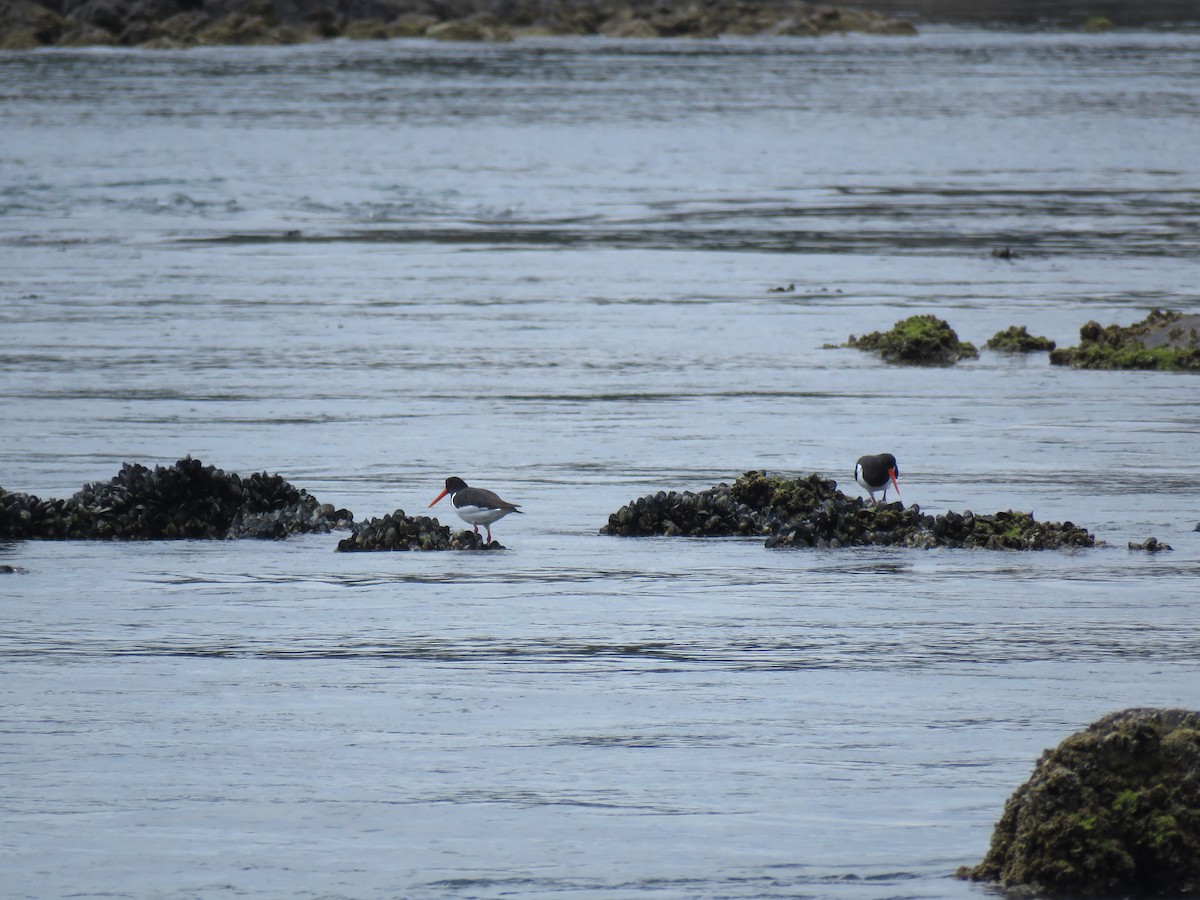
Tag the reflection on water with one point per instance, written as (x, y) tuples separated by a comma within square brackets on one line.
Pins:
[(549, 264)]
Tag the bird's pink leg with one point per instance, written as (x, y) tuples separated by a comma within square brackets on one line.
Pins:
[(489, 531), (475, 525)]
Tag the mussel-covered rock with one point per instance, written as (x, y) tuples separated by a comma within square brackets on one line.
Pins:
[(25, 24), (185, 500), (917, 340), (1017, 339), (812, 512), (1112, 811), (1166, 340), (397, 531), (714, 512)]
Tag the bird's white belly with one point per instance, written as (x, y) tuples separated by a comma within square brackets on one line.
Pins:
[(480, 515)]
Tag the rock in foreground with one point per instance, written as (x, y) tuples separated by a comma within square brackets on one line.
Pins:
[(1166, 340), (396, 531), (812, 512), (186, 500), (918, 340), (1113, 811)]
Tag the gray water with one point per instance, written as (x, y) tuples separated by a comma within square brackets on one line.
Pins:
[(547, 267)]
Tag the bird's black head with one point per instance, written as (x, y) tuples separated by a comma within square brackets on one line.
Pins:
[(890, 462), (454, 484)]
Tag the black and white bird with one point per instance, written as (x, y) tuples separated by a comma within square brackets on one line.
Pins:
[(476, 505), (874, 473)]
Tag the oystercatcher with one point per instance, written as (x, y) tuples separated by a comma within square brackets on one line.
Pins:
[(475, 505), (874, 473)]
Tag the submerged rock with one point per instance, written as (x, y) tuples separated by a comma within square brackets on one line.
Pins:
[(1112, 811), (1150, 545), (1017, 339), (917, 340), (812, 512), (479, 28), (1166, 340), (186, 500), (164, 24), (397, 531)]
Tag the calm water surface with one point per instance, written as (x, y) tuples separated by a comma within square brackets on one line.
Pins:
[(546, 267)]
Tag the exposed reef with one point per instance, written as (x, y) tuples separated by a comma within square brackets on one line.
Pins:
[(185, 500), (812, 512), (918, 340), (1112, 811), (1017, 339), (169, 24), (1165, 339), (397, 531)]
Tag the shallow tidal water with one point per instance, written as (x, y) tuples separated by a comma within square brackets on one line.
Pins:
[(547, 267)]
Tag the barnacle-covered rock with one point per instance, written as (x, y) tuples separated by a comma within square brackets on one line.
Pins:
[(1112, 811), (397, 531), (917, 340), (812, 512), (185, 500), (1165, 339), (1017, 339)]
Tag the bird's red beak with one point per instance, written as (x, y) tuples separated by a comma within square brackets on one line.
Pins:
[(891, 475), (438, 497)]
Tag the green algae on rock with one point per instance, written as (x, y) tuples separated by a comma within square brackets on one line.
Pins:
[(1113, 810), (187, 500), (812, 512), (1165, 339), (1017, 339), (397, 531), (917, 340)]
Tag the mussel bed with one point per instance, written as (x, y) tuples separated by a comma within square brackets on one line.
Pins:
[(812, 512), (397, 531), (181, 501)]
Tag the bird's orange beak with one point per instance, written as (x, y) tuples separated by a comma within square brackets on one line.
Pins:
[(891, 475), (437, 498)]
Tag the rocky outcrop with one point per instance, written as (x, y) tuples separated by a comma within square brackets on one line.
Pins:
[(1017, 339), (1166, 340), (160, 24), (397, 531), (812, 512), (918, 340), (1112, 811), (186, 500)]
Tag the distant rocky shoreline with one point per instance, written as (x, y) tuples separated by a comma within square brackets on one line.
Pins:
[(174, 24)]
